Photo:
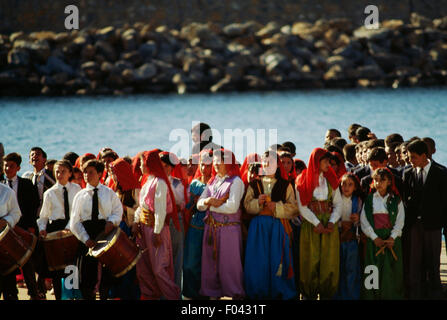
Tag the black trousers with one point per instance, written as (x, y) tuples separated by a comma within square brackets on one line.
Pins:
[(89, 266), (422, 250), (8, 286)]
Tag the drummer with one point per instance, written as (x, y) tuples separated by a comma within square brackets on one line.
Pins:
[(96, 209), (9, 215), (56, 209)]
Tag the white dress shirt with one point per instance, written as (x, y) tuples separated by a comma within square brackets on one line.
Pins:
[(379, 206), (160, 198), (14, 182), (53, 207), (233, 202), (345, 205), (424, 171), (321, 193), (109, 205), (9, 207)]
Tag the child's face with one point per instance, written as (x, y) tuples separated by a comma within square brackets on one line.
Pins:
[(365, 155), (324, 165), (287, 164), (206, 169), (77, 178), (36, 159), (142, 166), (347, 187), (418, 160), (382, 185), (219, 166), (62, 174), (334, 164), (10, 168), (91, 176)]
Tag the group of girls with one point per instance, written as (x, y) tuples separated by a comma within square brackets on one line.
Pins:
[(262, 230)]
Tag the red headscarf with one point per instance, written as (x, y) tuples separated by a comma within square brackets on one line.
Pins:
[(231, 165), (153, 163), (307, 181), (341, 169), (136, 170), (123, 172), (208, 155), (88, 156), (250, 158)]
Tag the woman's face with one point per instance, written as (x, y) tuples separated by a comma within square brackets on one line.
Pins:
[(287, 164), (324, 165), (269, 165), (219, 166)]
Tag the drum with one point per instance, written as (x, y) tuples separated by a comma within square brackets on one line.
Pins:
[(16, 247), (60, 249), (116, 252)]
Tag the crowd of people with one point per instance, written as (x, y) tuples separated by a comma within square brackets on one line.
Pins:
[(362, 219)]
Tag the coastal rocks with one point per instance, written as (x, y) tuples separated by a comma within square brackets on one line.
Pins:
[(208, 57)]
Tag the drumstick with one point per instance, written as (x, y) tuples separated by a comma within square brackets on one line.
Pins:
[(393, 253), (380, 250)]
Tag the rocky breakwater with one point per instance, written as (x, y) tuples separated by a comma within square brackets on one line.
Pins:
[(210, 58)]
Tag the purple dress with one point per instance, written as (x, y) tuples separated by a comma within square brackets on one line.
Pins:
[(222, 273)]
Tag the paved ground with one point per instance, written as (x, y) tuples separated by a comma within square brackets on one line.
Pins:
[(24, 296)]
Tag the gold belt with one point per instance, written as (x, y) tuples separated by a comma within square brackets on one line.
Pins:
[(214, 224), (147, 217)]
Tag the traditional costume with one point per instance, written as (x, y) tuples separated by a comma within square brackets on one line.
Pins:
[(222, 273), (268, 268), (155, 269), (350, 274), (384, 217), (319, 253)]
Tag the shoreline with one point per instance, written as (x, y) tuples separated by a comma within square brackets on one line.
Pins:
[(239, 57)]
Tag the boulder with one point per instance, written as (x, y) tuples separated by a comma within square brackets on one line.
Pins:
[(146, 72)]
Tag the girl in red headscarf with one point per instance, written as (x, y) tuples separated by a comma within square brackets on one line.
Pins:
[(319, 237), (268, 269), (123, 182), (155, 269), (80, 161), (222, 273), (251, 158), (192, 260)]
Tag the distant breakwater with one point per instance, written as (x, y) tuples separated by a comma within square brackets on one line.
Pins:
[(207, 57)]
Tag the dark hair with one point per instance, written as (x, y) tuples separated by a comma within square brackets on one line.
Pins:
[(285, 149), (418, 146), (393, 145), (63, 163), (71, 156), (349, 152), (378, 154), (203, 127), (335, 149), (383, 173), (394, 137), (429, 141), (299, 164), (358, 189), (274, 147), (352, 129), (76, 170), (166, 158), (337, 133), (375, 143), (14, 156), (362, 134), (128, 159), (44, 154), (98, 165), (50, 162), (109, 153), (269, 153), (290, 145), (338, 142)]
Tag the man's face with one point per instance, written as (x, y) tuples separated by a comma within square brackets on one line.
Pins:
[(36, 159), (418, 160), (329, 135), (10, 168)]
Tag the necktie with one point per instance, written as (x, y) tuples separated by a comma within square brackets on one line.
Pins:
[(66, 205), (95, 210), (420, 179), (10, 183)]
